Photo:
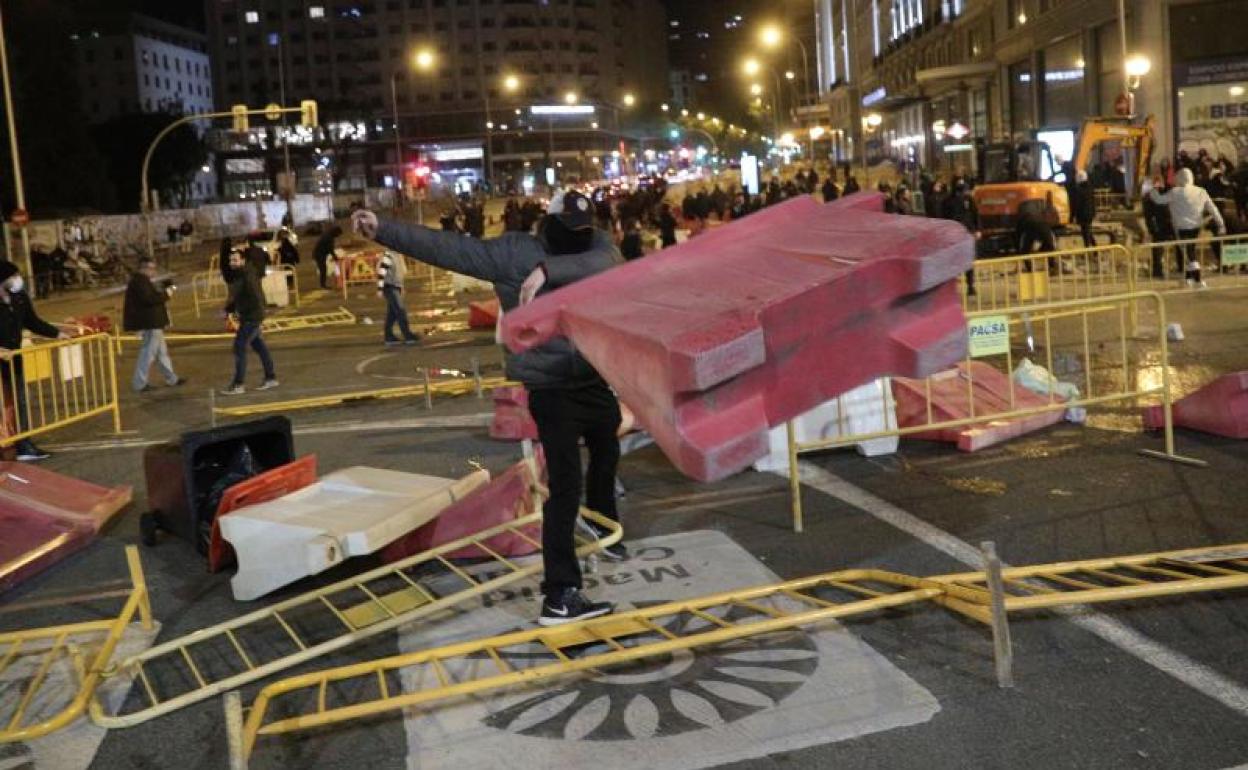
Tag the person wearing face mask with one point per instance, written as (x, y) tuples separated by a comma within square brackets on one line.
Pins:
[(17, 313), (568, 399)]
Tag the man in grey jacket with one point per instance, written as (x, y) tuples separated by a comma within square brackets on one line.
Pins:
[(568, 399)]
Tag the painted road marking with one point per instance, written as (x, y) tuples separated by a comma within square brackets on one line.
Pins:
[(1196, 675), (691, 709), (478, 420)]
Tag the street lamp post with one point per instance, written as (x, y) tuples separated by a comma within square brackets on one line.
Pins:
[(423, 61), (19, 188), (771, 36)]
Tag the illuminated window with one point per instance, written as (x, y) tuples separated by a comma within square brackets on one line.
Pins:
[(252, 17), (316, 12)]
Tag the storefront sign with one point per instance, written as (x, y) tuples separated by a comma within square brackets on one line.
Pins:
[(875, 97)]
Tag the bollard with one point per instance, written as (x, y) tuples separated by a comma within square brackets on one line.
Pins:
[(428, 389), (1003, 653)]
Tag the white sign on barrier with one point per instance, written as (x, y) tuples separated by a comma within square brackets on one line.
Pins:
[(989, 336), (71, 362), (1235, 254)]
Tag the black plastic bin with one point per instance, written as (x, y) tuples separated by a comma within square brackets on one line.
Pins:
[(181, 475)]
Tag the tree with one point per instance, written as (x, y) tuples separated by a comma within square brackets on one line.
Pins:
[(179, 156)]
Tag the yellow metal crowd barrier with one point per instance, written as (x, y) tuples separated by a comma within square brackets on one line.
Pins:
[(544, 655), (427, 390), (361, 268), (303, 628), (1105, 372), (40, 649), (60, 383), (1053, 276), (208, 289), (1161, 266)]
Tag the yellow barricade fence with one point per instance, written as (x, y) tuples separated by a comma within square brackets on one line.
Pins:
[(40, 649), (1161, 266), (1055, 276), (1090, 337), (460, 386), (208, 289), (539, 657), (52, 385), (361, 268)]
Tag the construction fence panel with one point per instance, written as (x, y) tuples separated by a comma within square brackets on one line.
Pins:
[(544, 656), (52, 385), (1162, 266), (1054, 276), (1086, 342), (41, 650)]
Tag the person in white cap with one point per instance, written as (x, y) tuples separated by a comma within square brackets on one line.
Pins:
[(568, 399)]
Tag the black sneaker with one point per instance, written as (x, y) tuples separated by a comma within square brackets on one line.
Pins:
[(27, 452), (571, 606), (617, 552)]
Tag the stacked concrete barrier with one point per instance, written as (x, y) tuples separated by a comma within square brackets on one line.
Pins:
[(717, 340)]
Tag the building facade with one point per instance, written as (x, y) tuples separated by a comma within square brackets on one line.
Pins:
[(141, 64), (921, 81), (492, 61)]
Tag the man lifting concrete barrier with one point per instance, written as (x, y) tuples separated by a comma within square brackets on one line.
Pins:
[(567, 397)]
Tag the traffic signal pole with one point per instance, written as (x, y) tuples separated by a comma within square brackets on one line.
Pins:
[(309, 117)]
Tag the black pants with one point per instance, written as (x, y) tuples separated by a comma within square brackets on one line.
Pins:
[(321, 269), (1187, 254), (13, 380), (1089, 240), (563, 418)]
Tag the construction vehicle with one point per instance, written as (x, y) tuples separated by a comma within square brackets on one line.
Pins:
[(1018, 178)]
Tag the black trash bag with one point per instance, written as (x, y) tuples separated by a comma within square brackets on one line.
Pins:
[(240, 467)]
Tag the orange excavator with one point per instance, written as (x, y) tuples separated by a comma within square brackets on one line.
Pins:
[(1024, 177)]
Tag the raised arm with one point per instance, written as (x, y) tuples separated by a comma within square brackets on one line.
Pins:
[(490, 260)]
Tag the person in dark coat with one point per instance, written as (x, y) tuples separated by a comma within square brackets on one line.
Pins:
[(851, 186), (830, 193), (255, 255), (287, 252), (630, 245), (323, 251), (667, 226), (1084, 204), (960, 207), (247, 304), (568, 399), (17, 313), (145, 311)]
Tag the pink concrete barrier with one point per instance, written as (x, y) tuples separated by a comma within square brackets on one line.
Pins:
[(1219, 408)]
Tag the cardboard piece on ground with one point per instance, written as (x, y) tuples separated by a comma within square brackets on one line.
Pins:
[(352, 512)]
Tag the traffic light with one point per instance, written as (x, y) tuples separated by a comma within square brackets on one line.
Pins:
[(307, 113), (239, 111)]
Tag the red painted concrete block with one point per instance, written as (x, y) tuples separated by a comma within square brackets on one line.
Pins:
[(714, 341), (262, 488), (507, 497), (989, 393), (512, 421), (1220, 408), (47, 516), (483, 314)]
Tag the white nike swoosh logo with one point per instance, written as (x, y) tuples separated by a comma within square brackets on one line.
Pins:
[(563, 613)]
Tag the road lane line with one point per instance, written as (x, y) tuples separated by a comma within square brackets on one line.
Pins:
[(1198, 676)]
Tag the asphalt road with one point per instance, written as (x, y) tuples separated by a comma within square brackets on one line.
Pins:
[(1159, 683)]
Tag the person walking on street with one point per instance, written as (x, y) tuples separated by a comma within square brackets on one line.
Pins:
[(568, 399), (1157, 222), (17, 313), (391, 270), (1189, 205), (960, 207), (630, 245), (1084, 203), (287, 251), (324, 251), (145, 311), (247, 304), (830, 192)]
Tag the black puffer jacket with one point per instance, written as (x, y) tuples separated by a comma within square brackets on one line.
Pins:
[(505, 262), (18, 314)]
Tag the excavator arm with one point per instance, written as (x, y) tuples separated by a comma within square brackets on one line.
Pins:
[(1097, 130)]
